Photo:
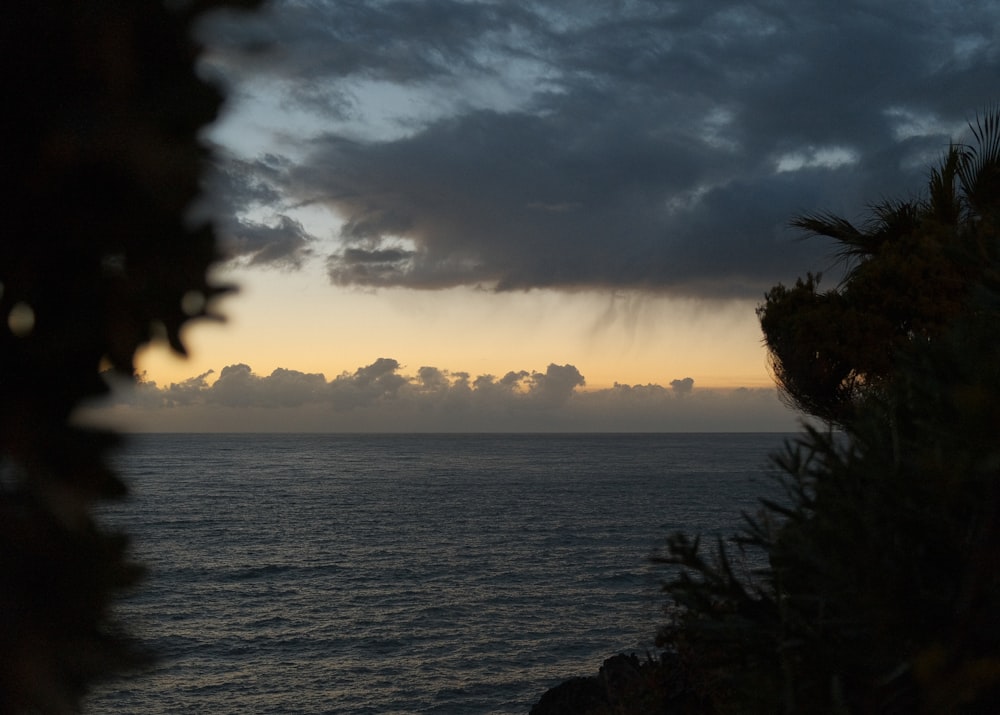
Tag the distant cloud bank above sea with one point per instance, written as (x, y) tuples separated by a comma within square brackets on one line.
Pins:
[(380, 397)]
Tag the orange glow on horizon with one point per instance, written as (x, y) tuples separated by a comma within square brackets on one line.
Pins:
[(299, 322)]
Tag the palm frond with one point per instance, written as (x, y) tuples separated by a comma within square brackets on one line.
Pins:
[(829, 225), (979, 171), (945, 204), (853, 243), (888, 222), (894, 219)]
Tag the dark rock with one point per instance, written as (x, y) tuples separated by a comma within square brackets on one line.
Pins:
[(626, 685), (619, 676), (576, 696)]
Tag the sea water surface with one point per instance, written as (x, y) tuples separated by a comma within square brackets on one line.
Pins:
[(406, 573)]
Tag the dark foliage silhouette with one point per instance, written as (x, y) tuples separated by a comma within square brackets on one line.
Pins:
[(910, 268), (101, 163), (880, 591)]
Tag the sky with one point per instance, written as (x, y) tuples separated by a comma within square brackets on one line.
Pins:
[(542, 214)]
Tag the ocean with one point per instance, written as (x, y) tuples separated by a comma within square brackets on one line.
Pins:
[(355, 574)]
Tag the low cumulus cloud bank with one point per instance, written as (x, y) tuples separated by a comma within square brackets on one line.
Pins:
[(382, 397), (547, 143)]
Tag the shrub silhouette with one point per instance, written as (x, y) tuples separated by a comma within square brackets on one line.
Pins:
[(101, 163), (881, 590)]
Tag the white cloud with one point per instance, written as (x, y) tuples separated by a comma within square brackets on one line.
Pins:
[(831, 157)]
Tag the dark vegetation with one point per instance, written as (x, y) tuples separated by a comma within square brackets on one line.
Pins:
[(880, 589), (914, 268), (101, 163), (880, 592)]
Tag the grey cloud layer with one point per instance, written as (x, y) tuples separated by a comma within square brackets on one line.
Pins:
[(382, 397), (379, 382), (657, 145)]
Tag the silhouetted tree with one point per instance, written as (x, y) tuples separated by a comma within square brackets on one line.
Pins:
[(910, 270), (100, 165), (881, 589)]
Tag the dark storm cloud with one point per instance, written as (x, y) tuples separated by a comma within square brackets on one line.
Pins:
[(656, 145), (398, 40), (242, 193), (283, 242)]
